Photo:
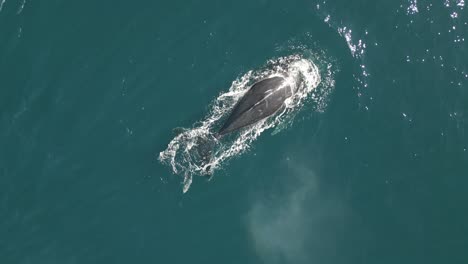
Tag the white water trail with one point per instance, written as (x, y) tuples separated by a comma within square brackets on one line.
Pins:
[(184, 152)]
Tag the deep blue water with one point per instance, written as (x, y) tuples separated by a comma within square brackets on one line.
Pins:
[(90, 92)]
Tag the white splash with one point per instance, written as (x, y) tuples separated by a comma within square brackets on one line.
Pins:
[(412, 8), (1, 4), (357, 49), (183, 152), (459, 3), (20, 9)]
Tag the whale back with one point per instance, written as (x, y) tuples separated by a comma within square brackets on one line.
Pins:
[(263, 99)]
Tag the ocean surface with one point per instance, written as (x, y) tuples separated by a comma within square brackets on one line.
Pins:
[(370, 166)]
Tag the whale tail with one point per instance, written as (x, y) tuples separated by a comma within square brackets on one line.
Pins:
[(205, 151)]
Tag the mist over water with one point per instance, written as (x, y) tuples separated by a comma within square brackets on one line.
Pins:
[(301, 223)]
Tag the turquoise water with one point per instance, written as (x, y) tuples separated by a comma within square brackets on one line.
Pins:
[(90, 92)]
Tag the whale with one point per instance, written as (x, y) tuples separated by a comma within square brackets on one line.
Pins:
[(263, 99)]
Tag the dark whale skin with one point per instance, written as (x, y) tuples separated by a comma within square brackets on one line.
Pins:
[(262, 100)]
